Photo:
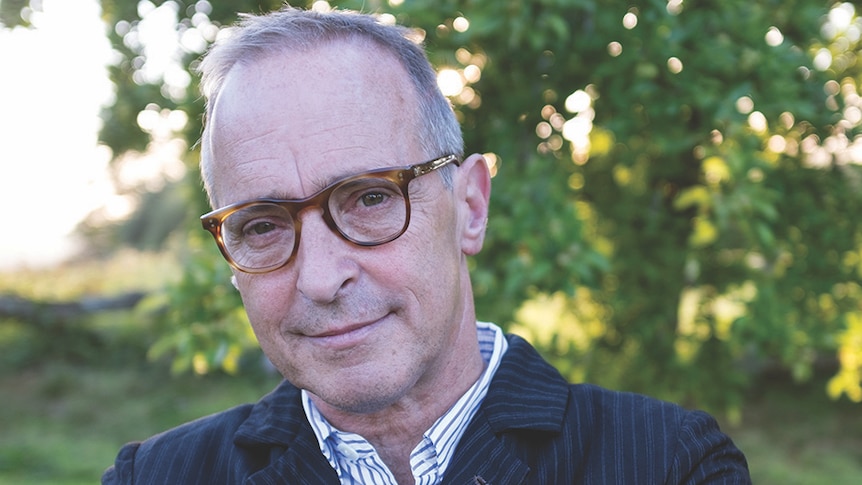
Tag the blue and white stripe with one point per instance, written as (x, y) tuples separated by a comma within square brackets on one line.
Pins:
[(355, 459)]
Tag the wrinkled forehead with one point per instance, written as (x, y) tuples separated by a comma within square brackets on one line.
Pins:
[(301, 119)]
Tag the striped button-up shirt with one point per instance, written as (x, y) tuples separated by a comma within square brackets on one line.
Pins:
[(355, 459)]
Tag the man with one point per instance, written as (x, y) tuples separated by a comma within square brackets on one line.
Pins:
[(347, 211)]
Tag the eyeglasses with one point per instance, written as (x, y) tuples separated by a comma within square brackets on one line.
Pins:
[(367, 209)]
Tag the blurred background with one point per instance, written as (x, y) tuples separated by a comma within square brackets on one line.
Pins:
[(676, 212)]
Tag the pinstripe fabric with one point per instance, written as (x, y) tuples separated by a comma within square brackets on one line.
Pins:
[(355, 459), (532, 428), (535, 428)]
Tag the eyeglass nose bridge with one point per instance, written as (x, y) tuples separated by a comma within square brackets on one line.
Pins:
[(295, 208)]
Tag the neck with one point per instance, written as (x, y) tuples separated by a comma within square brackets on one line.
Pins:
[(396, 429)]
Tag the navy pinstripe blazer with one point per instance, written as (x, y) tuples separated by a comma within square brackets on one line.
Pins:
[(532, 428)]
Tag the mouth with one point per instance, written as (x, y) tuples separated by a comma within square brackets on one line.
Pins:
[(345, 337)]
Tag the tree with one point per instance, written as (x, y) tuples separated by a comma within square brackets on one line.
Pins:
[(675, 182), (664, 204)]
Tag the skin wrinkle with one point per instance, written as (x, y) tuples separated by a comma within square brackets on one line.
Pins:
[(424, 123), (310, 184), (353, 108), (232, 148)]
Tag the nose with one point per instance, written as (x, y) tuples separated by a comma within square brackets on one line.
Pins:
[(322, 264)]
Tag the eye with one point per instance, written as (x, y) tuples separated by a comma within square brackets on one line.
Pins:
[(260, 228), (372, 198), (257, 225), (363, 195)]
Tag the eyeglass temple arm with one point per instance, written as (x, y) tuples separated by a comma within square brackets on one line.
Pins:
[(434, 165)]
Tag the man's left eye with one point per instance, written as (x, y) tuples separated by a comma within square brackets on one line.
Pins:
[(372, 199)]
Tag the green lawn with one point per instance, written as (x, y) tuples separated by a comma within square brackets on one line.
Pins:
[(794, 434), (62, 423)]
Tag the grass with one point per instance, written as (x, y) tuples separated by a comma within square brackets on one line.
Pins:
[(127, 270), (794, 434), (64, 423)]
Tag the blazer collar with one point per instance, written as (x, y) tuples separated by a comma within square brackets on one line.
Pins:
[(527, 393), (277, 426), (277, 420)]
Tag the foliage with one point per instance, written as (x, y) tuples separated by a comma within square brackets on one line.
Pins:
[(673, 197), (849, 378), (201, 323)]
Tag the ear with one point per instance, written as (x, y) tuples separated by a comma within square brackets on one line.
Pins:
[(474, 191)]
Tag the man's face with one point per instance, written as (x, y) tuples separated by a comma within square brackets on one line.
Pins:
[(360, 327)]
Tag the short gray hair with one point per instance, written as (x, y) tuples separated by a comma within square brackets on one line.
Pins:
[(291, 29)]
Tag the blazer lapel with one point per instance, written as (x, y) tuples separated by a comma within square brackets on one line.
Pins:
[(482, 458), (297, 465), (278, 424)]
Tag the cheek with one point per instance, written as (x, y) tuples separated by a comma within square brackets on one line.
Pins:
[(263, 302), (256, 317), (431, 254)]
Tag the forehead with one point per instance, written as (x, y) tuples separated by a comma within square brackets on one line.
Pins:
[(290, 123)]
